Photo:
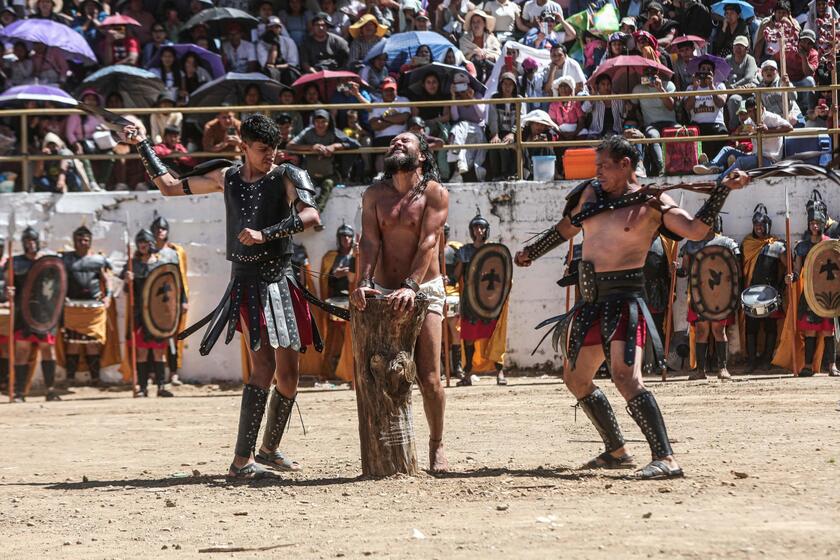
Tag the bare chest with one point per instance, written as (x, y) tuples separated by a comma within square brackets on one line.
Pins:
[(624, 225), (401, 213)]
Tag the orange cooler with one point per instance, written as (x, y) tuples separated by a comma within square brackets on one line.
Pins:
[(579, 163)]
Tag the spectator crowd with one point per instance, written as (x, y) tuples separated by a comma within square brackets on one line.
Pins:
[(175, 53)]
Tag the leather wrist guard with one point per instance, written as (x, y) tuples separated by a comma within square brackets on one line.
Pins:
[(153, 164), (713, 205), (411, 285), (546, 242), (285, 228)]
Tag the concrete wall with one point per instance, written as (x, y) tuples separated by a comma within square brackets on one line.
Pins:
[(516, 212)]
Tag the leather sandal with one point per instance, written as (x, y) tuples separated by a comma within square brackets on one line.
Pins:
[(657, 470), (251, 471), (607, 461), (277, 460)]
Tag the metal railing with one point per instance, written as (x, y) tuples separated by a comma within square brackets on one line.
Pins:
[(519, 145)]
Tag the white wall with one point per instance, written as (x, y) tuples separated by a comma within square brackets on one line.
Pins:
[(516, 211)]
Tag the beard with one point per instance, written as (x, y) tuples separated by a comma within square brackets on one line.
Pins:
[(400, 162)]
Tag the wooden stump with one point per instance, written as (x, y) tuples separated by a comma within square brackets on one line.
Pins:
[(384, 370)]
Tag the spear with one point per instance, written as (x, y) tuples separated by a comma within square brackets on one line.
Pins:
[(669, 308), (791, 289), (10, 281), (132, 348), (447, 365)]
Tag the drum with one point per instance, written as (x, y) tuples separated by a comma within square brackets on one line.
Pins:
[(83, 303), (760, 301)]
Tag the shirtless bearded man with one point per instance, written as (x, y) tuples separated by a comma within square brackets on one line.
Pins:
[(402, 220), (618, 225)]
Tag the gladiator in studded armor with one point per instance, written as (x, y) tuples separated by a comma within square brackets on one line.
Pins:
[(618, 220)]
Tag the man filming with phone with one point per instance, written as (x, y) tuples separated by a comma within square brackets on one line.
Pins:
[(222, 134), (707, 111), (657, 114)]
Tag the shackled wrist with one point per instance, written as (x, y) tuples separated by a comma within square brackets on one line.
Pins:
[(411, 284), (366, 283)]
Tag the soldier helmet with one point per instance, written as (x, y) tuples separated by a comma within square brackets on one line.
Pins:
[(345, 230), (144, 235), (761, 216), (159, 223), (479, 220), (82, 231), (30, 233), (816, 208)]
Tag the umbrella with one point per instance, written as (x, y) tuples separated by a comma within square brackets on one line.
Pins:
[(699, 42), (119, 19), (626, 71), (445, 73), (139, 88), (52, 34), (216, 17), (230, 89), (36, 93), (747, 11), (209, 60), (402, 46), (326, 81), (722, 68)]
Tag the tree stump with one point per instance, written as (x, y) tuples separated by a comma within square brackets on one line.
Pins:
[(384, 370)]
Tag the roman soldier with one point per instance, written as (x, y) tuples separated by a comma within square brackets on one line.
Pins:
[(171, 252), (340, 266), (453, 301), (25, 339), (764, 265), (86, 311), (5, 320), (702, 329), (473, 328)]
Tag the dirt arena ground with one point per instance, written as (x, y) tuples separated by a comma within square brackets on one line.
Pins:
[(103, 475)]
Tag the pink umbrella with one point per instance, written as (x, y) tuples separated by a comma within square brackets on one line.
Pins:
[(699, 42), (626, 71), (119, 19), (326, 82)]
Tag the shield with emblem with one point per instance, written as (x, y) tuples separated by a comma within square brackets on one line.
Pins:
[(714, 283), (487, 282), (42, 296), (162, 301), (821, 272)]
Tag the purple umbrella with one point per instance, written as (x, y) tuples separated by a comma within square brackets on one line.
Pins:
[(722, 68), (36, 93), (209, 60), (52, 34)]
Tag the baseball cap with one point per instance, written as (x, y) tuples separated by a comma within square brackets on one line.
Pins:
[(741, 40), (283, 118), (388, 83), (631, 21), (321, 16), (321, 114), (422, 14), (172, 129), (808, 34), (273, 20), (769, 64), (655, 6)]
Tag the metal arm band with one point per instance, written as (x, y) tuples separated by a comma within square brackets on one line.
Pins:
[(366, 283), (548, 241), (713, 205), (285, 228), (153, 164), (411, 284)]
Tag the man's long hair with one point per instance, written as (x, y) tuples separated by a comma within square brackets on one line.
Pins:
[(430, 171)]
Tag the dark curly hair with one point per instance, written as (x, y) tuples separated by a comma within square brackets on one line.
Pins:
[(259, 128), (617, 147), (430, 168)]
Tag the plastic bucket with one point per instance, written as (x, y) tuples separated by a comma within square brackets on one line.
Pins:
[(543, 168)]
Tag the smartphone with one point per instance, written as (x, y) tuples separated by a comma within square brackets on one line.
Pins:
[(460, 88), (645, 81), (822, 103), (231, 131)]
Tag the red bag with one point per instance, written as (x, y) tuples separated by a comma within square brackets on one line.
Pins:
[(681, 157)]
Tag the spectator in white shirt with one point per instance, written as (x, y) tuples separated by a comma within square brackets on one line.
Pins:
[(506, 13), (533, 9), (238, 55), (562, 65), (277, 54)]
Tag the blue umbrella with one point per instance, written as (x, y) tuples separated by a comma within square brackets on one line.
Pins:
[(52, 34), (210, 60), (138, 87), (36, 92), (747, 11), (402, 46)]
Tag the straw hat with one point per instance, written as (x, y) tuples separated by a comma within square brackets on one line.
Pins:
[(356, 28), (489, 21), (57, 5)]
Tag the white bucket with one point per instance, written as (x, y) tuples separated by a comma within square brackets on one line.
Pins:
[(543, 168)]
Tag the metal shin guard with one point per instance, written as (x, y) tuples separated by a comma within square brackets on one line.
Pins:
[(21, 373), (250, 417), (597, 408), (455, 358), (279, 411), (71, 364), (469, 352), (93, 366), (828, 352), (645, 412), (721, 351), (701, 350), (48, 369), (160, 373)]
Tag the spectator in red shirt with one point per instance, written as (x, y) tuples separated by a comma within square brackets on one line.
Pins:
[(119, 48), (802, 65), (172, 144)]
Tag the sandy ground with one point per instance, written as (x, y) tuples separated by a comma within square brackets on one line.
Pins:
[(103, 475)]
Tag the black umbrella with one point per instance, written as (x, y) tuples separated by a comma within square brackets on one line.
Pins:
[(230, 90), (216, 18), (138, 87), (445, 74)]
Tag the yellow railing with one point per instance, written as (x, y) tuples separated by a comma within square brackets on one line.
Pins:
[(519, 145)]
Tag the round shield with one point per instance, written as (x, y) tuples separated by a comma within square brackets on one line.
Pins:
[(714, 283), (487, 282), (42, 296), (821, 272), (162, 301)]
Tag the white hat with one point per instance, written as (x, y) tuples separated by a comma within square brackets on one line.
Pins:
[(539, 116)]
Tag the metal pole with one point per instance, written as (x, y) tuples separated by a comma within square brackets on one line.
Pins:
[(792, 303), (25, 172), (132, 349), (10, 281), (759, 143), (520, 157)]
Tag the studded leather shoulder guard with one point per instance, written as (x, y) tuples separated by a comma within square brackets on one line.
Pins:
[(302, 182), (573, 198), (713, 205)]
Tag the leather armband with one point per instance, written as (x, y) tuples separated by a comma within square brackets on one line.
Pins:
[(153, 164), (411, 285), (546, 242), (185, 186), (285, 228), (713, 205)]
